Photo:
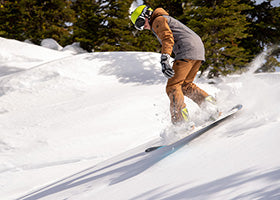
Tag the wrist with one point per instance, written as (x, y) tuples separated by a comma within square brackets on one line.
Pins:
[(165, 57)]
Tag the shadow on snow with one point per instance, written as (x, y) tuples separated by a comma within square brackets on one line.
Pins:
[(130, 67)]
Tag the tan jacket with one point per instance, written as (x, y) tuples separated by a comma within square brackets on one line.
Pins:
[(175, 36)]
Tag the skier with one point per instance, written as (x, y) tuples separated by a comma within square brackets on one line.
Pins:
[(189, 54)]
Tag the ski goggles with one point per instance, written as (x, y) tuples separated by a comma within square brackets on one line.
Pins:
[(139, 23)]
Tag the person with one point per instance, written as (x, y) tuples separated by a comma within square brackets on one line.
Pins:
[(189, 53)]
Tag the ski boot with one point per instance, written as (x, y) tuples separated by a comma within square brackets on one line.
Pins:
[(189, 125), (178, 130), (210, 107)]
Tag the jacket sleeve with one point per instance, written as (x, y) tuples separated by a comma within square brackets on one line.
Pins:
[(164, 33)]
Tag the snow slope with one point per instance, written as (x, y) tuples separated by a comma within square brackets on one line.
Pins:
[(75, 127)]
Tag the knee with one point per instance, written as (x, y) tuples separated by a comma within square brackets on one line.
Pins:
[(171, 89), (188, 86)]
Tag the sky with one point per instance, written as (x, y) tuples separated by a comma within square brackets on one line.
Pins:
[(274, 3)]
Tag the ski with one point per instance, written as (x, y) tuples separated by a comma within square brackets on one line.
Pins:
[(198, 131)]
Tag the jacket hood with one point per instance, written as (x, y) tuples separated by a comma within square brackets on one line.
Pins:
[(157, 12)]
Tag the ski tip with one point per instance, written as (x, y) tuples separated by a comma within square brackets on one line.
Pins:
[(152, 148), (238, 107)]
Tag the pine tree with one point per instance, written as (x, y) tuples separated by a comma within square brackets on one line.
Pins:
[(10, 15), (37, 20), (47, 19), (102, 25), (105, 26), (264, 30), (222, 26), (88, 23), (173, 7), (115, 26)]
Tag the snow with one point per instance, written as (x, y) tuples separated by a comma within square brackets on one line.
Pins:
[(75, 126)]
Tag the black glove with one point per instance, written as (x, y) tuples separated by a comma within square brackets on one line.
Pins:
[(166, 67)]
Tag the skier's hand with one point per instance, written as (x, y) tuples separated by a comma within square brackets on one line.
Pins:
[(166, 67)]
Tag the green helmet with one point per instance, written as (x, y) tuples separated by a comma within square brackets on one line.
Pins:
[(138, 16)]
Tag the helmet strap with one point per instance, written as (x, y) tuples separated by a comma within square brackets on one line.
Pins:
[(147, 13)]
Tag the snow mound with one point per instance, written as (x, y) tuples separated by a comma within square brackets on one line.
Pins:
[(17, 56), (74, 48), (51, 44)]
